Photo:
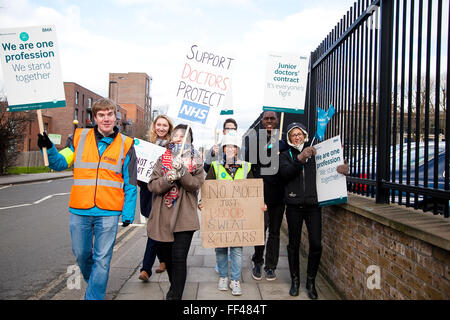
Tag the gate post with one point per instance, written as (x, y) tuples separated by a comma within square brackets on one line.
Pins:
[(384, 100)]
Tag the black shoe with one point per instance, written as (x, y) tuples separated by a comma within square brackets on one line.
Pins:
[(256, 272), (295, 285), (270, 275), (169, 295), (311, 288)]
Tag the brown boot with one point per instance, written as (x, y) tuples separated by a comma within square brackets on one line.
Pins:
[(144, 276), (162, 268)]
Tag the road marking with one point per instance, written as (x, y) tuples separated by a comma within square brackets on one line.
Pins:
[(36, 202), (50, 196), (56, 282), (16, 206), (4, 187), (63, 277)]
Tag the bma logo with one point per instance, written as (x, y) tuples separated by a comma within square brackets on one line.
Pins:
[(46, 29), (193, 111)]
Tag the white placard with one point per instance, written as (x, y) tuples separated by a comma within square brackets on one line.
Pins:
[(31, 68), (147, 154), (331, 185), (205, 81), (285, 86), (55, 138)]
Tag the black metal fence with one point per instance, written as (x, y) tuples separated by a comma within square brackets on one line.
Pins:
[(384, 68)]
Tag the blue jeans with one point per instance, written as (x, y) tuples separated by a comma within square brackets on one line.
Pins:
[(94, 257), (236, 262)]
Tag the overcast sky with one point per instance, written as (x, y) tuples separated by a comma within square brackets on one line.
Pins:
[(153, 36)]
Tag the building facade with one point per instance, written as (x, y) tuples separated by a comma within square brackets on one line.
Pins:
[(132, 92), (59, 121)]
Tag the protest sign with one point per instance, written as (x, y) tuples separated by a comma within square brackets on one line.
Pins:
[(202, 88), (285, 86), (31, 68), (147, 154), (55, 138), (331, 185), (232, 213)]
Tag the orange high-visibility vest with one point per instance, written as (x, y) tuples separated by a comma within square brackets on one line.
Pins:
[(98, 181)]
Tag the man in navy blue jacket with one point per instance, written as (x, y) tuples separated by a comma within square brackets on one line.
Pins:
[(267, 169)]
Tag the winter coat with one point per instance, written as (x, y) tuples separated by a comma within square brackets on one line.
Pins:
[(273, 184), (299, 178), (182, 216)]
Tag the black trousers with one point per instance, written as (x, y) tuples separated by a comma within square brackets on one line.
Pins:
[(312, 215), (175, 256), (272, 221)]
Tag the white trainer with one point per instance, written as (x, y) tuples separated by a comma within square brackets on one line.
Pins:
[(235, 287), (223, 284)]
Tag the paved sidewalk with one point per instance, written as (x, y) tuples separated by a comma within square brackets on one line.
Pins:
[(201, 282), (33, 177)]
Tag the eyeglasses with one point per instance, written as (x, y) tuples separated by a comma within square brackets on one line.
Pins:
[(300, 134), (229, 129)]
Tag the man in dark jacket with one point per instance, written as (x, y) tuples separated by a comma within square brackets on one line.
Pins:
[(265, 165), (298, 169)]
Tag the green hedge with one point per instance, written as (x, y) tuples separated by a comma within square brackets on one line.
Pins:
[(21, 170)]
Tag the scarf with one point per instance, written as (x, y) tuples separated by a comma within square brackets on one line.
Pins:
[(171, 196), (299, 147)]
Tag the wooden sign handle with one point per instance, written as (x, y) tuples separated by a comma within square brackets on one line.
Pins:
[(41, 130), (281, 125)]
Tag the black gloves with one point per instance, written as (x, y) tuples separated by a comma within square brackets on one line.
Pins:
[(126, 223), (44, 141)]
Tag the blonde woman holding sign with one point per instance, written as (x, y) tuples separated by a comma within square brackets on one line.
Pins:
[(160, 134)]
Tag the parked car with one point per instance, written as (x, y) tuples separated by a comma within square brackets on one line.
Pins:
[(403, 172)]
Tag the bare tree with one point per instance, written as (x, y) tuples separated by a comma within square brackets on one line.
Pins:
[(12, 127)]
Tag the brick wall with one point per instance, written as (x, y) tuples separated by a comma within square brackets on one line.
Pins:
[(60, 120), (410, 267)]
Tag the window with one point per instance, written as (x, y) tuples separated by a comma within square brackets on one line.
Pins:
[(75, 115), (89, 103), (76, 97)]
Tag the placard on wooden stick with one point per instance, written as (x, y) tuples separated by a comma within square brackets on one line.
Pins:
[(31, 68), (232, 214)]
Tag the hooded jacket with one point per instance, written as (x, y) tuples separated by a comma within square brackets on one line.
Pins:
[(182, 216), (299, 178)]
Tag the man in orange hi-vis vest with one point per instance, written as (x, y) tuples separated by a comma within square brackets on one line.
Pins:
[(104, 187)]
